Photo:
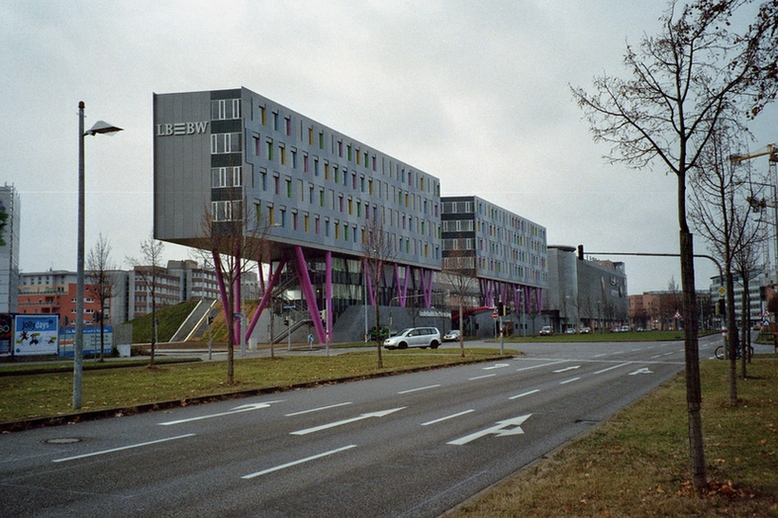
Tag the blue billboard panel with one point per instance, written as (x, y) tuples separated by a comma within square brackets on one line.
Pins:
[(91, 342), (35, 334)]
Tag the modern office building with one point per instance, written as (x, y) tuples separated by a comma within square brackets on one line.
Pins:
[(505, 252), (10, 208), (585, 292), (229, 154)]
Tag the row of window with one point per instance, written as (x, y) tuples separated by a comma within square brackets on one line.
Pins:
[(315, 224)]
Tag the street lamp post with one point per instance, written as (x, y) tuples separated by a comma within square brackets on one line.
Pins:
[(78, 341)]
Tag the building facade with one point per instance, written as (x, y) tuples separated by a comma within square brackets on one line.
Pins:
[(227, 154), (54, 293), (585, 292), (10, 209), (503, 251)]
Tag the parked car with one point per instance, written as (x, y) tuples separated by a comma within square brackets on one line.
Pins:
[(451, 336), (570, 331), (624, 329), (546, 330), (586, 330), (414, 337)]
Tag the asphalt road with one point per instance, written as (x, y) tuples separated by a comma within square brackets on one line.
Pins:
[(412, 445)]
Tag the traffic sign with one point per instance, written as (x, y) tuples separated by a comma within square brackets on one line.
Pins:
[(495, 314)]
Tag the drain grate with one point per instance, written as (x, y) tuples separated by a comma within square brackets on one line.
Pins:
[(62, 440)]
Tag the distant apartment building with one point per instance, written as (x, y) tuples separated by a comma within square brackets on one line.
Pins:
[(663, 310), (54, 292), (10, 209)]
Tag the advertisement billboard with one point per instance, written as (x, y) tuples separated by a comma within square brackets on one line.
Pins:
[(35, 335), (91, 343)]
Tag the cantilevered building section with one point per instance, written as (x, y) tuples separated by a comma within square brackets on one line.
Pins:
[(319, 192), (508, 251)]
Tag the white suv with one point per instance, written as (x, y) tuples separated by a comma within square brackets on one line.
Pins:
[(414, 337)]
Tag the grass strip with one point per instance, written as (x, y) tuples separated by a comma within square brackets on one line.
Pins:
[(50, 394), (637, 463)]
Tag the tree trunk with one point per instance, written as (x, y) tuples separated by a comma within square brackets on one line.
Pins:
[(732, 336), (692, 355), (461, 329), (378, 327)]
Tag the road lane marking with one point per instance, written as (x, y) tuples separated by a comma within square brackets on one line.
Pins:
[(501, 429), (317, 409), (447, 417), (611, 368), (368, 415), (569, 381), (644, 370), (237, 410), (418, 389), (296, 462), (571, 368), (481, 377), (497, 366), (541, 365), (524, 394), (131, 446)]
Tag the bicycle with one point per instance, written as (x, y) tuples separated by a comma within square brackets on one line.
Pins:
[(721, 353)]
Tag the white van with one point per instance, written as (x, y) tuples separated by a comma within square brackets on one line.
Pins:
[(414, 337)]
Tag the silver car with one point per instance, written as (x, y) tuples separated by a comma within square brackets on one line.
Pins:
[(414, 337)]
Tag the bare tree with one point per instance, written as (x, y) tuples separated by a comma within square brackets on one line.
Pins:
[(233, 242), (149, 269), (683, 82), (459, 275), (746, 262), (719, 211), (377, 253), (102, 280)]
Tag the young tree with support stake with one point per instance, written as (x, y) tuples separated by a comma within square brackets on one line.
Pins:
[(149, 270), (103, 280), (459, 274), (233, 243), (695, 72), (377, 253)]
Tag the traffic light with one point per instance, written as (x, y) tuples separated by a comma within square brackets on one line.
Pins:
[(721, 307), (286, 321), (501, 309)]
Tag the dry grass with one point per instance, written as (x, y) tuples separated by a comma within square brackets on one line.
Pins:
[(637, 464)]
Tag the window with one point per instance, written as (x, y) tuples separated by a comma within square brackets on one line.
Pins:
[(225, 143), (225, 210), (226, 177), (225, 109)]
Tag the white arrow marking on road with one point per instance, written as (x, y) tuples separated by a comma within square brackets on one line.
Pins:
[(497, 366), (382, 413), (567, 369), (644, 370), (237, 410), (501, 429)]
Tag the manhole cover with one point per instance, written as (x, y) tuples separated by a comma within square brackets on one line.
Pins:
[(62, 440)]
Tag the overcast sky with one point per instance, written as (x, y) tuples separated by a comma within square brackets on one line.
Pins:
[(473, 92)]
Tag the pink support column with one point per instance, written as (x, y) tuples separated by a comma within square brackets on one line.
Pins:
[(265, 296), (368, 282), (310, 296)]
